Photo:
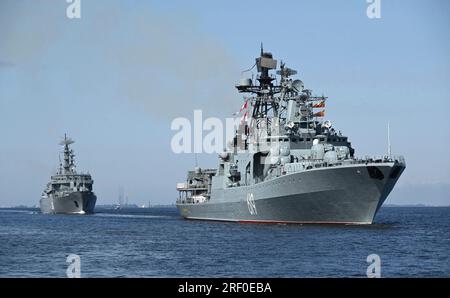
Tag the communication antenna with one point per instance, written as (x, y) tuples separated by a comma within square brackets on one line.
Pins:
[(196, 161), (121, 193), (60, 164), (66, 141), (389, 139)]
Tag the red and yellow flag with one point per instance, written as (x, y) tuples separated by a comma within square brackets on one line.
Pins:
[(319, 105), (320, 114), (244, 107)]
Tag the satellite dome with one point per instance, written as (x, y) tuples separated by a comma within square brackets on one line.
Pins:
[(298, 86)]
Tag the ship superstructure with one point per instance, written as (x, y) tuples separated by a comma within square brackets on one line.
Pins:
[(286, 164), (68, 192)]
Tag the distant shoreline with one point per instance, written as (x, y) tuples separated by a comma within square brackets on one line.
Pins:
[(108, 207), (102, 207), (413, 205)]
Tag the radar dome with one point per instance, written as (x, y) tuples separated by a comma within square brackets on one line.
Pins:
[(327, 124), (245, 82), (298, 86)]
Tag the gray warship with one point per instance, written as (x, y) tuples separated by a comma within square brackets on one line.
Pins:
[(68, 192), (286, 164)]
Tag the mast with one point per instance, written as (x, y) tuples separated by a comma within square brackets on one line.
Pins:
[(264, 103), (60, 171), (121, 194), (278, 108), (69, 156), (389, 139)]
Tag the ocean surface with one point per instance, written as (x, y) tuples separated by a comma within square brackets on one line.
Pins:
[(156, 242)]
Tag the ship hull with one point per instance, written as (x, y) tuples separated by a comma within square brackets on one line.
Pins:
[(336, 195), (73, 203)]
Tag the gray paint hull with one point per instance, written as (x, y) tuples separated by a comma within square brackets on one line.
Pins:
[(73, 203), (346, 195)]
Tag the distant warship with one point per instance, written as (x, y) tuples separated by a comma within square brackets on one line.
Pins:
[(286, 164), (68, 192)]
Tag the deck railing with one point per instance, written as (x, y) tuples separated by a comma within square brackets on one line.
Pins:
[(309, 164)]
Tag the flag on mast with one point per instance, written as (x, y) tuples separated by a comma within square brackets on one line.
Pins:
[(244, 107), (319, 105), (319, 114), (245, 117)]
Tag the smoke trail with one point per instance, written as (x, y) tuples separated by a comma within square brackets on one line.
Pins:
[(162, 62)]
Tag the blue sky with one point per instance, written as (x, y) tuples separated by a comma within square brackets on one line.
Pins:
[(115, 79)]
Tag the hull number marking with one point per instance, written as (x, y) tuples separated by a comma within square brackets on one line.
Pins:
[(251, 204)]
